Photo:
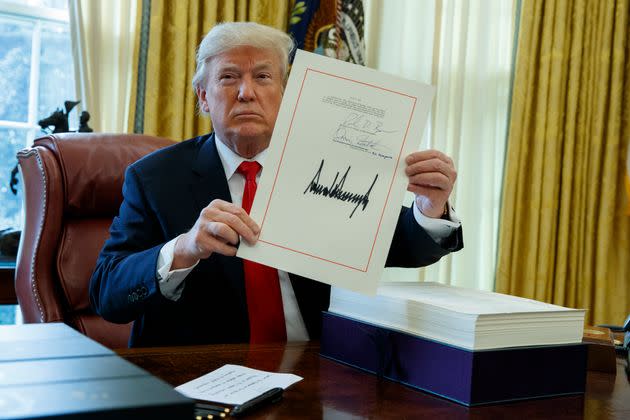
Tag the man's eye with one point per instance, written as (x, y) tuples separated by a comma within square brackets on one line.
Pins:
[(226, 77), (264, 76)]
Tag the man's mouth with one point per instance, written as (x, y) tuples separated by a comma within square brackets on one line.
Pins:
[(247, 115)]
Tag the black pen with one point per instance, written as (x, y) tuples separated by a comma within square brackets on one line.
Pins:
[(271, 396)]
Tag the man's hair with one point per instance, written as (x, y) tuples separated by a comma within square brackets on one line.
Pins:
[(225, 36)]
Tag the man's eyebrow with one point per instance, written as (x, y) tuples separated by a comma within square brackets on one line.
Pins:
[(227, 67), (264, 65)]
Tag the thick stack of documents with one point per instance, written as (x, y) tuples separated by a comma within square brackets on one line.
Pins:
[(468, 346), (466, 318)]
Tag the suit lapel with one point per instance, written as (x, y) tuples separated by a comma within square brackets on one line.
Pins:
[(209, 183)]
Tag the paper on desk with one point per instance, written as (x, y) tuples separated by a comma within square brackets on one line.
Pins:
[(334, 176), (234, 384)]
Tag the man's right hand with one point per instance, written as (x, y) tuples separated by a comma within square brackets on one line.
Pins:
[(216, 230)]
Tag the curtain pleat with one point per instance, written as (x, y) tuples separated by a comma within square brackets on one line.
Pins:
[(103, 33), (469, 123), (471, 69), (564, 235)]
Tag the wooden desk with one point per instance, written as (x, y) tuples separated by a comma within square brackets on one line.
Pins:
[(332, 390)]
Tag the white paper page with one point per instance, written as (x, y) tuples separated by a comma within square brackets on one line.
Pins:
[(234, 384), (330, 194), (462, 300)]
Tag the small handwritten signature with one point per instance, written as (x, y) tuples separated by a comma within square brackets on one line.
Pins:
[(360, 132), (336, 191)]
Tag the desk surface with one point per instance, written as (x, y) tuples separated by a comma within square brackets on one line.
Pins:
[(332, 390)]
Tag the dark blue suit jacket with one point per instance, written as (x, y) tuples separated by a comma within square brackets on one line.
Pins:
[(163, 195)]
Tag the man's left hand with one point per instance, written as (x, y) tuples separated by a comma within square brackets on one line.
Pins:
[(431, 176)]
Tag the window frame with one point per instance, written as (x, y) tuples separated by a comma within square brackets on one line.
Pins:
[(37, 15), (37, 20)]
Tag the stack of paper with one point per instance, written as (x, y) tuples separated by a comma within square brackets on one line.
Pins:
[(466, 318)]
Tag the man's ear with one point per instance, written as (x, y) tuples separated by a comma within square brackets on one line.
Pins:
[(203, 100)]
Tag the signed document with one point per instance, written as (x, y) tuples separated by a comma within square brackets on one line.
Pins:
[(234, 384), (331, 190)]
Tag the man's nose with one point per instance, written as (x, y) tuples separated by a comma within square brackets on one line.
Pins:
[(246, 91)]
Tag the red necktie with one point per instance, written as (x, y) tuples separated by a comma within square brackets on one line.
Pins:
[(264, 300)]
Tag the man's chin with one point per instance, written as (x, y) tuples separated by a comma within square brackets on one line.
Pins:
[(251, 133), (247, 142)]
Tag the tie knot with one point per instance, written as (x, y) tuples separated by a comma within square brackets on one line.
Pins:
[(249, 170)]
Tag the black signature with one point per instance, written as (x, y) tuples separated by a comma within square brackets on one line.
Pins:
[(361, 123), (358, 131), (336, 189)]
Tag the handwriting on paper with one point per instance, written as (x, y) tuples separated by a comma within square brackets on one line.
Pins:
[(363, 133), (336, 189), (234, 384)]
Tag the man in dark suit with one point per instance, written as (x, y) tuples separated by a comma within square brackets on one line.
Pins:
[(169, 264)]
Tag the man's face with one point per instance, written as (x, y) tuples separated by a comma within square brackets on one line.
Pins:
[(242, 95)]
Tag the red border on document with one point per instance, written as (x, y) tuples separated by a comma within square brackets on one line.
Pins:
[(286, 140)]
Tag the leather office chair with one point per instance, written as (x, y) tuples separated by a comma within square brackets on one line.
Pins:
[(72, 190)]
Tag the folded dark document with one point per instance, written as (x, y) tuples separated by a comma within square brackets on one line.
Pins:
[(79, 380), (141, 397), (465, 376), (46, 341), (50, 371)]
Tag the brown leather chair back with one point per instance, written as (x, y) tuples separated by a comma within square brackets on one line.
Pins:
[(72, 190)]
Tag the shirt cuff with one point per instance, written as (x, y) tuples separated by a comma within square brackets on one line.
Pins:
[(171, 283), (438, 229)]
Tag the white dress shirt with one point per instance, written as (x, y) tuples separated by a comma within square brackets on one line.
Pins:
[(172, 283)]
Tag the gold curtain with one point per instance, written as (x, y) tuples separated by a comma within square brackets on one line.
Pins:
[(176, 29), (564, 237)]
